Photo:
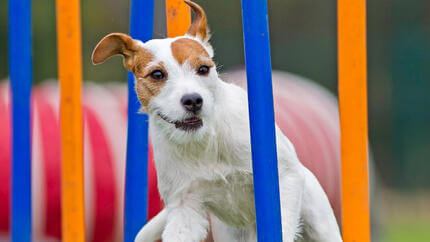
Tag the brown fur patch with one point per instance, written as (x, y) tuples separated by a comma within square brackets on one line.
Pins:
[(199, 27), (185, 49), (114, 44), (136, 60), (147, 88)]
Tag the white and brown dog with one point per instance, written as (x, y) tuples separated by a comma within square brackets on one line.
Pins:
[(200, 133)]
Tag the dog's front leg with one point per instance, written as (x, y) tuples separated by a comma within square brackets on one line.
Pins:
[(153, 229), (291, 186), (186, 222)]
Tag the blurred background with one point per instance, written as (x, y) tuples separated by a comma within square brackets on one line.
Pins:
[(303, 42)]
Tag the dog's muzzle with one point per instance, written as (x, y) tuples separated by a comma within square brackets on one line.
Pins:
[(188, 124)]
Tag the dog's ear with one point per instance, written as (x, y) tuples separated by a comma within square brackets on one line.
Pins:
[(199, 27), (115, 44)]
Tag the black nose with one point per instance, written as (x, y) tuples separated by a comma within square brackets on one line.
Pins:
[(192, 102)]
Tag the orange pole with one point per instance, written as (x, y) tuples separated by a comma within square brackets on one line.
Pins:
[(353, 118), (70, 75), (178, 16)]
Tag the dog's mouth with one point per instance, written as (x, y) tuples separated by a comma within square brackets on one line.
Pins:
[(188, 124)]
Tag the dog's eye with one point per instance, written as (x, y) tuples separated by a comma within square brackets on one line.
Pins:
[(203, 70), (157, 75)]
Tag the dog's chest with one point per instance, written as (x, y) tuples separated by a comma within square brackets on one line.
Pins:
[(222, 182), (230, 198)]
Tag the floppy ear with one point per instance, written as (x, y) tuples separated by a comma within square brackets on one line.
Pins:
[(199, 27), (115, 44)]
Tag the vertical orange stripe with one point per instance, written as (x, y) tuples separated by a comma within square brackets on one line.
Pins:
[(178, 16), (353, 117), (70, 74)]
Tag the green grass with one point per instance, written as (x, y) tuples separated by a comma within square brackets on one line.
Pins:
[(406, 231)]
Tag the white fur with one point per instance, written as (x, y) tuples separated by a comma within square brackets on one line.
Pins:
[(205, 176)]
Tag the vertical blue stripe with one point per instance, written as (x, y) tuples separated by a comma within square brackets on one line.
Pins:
[(261, 117), (20, 71), (136, 190)]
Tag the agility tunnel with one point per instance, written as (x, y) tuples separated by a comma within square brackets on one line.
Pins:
[(305, 112)]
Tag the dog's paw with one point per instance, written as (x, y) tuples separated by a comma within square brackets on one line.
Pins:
[(182, 234), (146, 236)]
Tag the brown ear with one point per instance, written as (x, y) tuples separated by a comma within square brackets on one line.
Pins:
[(114, 44), (199, 27)]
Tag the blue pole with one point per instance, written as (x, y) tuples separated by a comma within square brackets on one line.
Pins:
[(136, 190), (20, 71), (261, 117)]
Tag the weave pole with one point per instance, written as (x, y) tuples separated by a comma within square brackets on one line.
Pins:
[(70, 75), (262, 120), (178, 16), (136, 190), (20, 70), (353, 119)]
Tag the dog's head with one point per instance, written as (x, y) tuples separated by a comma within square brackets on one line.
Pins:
[(176, 78)]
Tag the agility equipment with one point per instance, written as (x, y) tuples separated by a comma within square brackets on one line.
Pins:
[(352, 105)]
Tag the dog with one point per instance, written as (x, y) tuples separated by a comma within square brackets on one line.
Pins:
[(200, 132)]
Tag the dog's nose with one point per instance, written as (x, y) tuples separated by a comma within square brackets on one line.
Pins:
[(192, 102)]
